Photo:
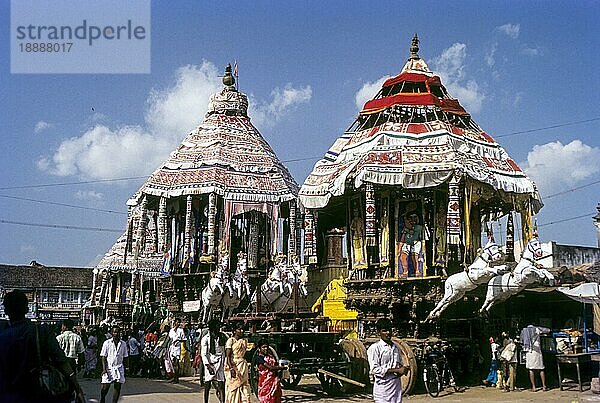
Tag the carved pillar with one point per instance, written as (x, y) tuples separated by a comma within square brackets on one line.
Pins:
[(187, 240), (140, 242), (162, 224), (94, 285), (212, 212), (453, 214), (292, 242), (370, 226), (309, 235)]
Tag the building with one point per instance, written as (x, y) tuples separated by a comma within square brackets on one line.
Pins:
[(55, 293)]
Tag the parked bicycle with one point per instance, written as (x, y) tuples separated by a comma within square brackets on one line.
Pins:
[(437, 374)]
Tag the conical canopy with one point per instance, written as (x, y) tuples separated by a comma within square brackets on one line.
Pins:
[(413, 135), (226, 155)]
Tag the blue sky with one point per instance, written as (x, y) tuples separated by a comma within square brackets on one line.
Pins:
[(306, 66)]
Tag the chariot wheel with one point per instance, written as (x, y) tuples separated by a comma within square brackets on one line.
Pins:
[(359, 361), (332, 385), (408, 358), (254, 369)]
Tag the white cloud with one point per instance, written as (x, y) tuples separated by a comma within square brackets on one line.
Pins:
[(282, 101), (175, 111), (104, 152), (89, 195), (41, 126), (490, 57), (531, 51), (555, 167), (450, 66), (368, 91), (511, 30)]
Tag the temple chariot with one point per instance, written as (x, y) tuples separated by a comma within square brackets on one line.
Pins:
[(400, 202)]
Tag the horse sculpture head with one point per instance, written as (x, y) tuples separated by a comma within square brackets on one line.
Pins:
[(533, 250), (491, 251)]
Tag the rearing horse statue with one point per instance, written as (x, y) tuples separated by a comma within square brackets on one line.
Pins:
[(479, 272), (527, 272)]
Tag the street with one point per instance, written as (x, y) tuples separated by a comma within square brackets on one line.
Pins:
[(188, 390)]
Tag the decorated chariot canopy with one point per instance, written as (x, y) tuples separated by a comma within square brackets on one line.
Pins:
[(414, 171), (225, 155), (413, 134), (222, 192)]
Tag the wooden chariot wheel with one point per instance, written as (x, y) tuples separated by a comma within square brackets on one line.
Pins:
[(408, 358)]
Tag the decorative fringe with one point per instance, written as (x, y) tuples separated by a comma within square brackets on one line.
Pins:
[(309, 235), (292, 239), (453, 214), (370, 228), (162, 224), (212, 212), (510, 238), (188, 230)]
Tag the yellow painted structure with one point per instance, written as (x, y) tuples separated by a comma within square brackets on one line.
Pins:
[(331, 304)]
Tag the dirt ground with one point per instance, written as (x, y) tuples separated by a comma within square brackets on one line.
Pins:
[(151, 390)]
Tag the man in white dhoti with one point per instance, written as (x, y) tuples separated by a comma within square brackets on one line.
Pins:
[(114, 357), (386, 366), (212, 351), (534, 360)]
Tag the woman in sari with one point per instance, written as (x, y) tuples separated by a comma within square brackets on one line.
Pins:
[(90, 354), (237, 386), (269, 386)]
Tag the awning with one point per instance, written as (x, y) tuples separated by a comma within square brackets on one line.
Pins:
[(588, 293)]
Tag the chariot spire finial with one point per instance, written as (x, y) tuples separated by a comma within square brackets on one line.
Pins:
[(414, 48)]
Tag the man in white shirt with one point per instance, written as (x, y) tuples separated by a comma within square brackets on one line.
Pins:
[(386, 366), (114, 355), (177, 336), (212, 351)]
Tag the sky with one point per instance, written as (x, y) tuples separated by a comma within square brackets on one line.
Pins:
[(307, 67)]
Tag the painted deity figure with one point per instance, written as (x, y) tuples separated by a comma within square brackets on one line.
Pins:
[(240, 278), (357, 226), (410, 246), (384, 236)]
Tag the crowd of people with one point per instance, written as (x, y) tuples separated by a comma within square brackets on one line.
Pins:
[(111, 353), (505, 357)]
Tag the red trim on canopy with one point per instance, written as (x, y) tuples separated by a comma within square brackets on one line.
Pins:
[(413, 77), (448, 105)]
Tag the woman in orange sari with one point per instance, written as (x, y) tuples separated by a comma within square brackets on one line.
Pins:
[(237, 385), (269, 386)]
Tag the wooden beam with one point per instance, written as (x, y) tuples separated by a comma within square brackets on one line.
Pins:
[(340, 377)]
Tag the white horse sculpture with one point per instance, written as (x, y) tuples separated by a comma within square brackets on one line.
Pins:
[(278, 276), (278, 289), (295, 277), (479, 272), (527, 272), (214, 291)]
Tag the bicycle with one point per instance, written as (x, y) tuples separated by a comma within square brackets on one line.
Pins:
[(437, 374)]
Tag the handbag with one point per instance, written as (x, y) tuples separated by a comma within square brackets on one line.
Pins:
[(52, 381)]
